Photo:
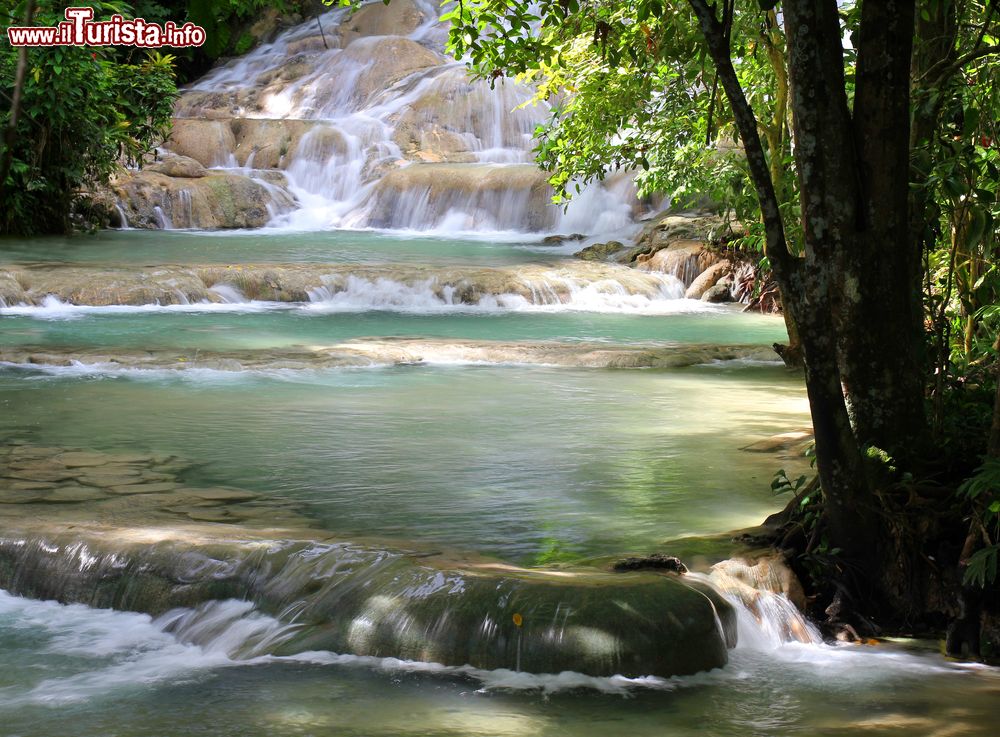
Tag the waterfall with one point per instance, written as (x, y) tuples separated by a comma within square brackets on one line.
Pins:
[(374, 126), (363, 601)]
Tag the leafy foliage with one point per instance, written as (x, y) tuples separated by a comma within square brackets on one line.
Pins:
[(84, 111), (983, 491)]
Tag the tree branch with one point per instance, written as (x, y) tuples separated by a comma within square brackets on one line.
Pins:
[(961, 61), (717, 39)]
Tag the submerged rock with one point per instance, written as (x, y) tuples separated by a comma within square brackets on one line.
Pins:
[(394, 351)]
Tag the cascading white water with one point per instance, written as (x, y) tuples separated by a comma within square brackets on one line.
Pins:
[(375, 126)]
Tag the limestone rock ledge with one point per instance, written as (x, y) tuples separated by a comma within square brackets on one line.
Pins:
[(180, 193)]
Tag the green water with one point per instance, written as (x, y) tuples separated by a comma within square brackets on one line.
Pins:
[(247, 247), (285, 328), (534, 465), (522, 463)]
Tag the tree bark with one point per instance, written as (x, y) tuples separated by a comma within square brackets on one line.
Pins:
[(993, 447), (882, 333), (828, 190), (832, 209)]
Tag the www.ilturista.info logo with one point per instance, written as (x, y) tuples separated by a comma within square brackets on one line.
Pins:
[(80, 30)]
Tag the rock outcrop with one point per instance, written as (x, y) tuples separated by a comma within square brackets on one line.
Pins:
[(680, 245), (216, 200)]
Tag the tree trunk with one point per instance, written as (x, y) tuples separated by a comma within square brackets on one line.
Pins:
[(993, 447), (832, 207), (10, 132), (882, 330)]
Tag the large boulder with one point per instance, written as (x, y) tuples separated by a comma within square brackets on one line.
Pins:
[(398, 18), (717, 294), (152, 199), (209, 142)]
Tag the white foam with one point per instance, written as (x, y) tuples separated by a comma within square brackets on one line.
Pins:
[(95, 652), (428, 297)]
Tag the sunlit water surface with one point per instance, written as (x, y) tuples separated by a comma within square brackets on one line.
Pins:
[(535, 465)]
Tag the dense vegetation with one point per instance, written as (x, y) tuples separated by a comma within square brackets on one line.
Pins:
[(84, 112), (81, 112)]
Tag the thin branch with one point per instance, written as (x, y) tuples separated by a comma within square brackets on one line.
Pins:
[(716, 39), (961, 61)]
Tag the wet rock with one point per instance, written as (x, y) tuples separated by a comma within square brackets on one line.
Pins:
[(384, 604), (216, 201), (383, 61), (107, 480), (717, 294), (220, 494), (707, 279), (558, 240), (11, 288), (140, 487), (54, 476), (668, 227), (656, 562), (178, 166), (600, 251), (209, 142), (485, 188), (795, 440), (27, 485), (16, 496), (271, 144), (210, 515), (82, 459), (765, 573), (74, 494), (400, 17), (452, 114), (685, 259)]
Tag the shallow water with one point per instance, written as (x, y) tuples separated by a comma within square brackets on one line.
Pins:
[(208, 329), (526, 463), (279, 245), (535, 465)]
